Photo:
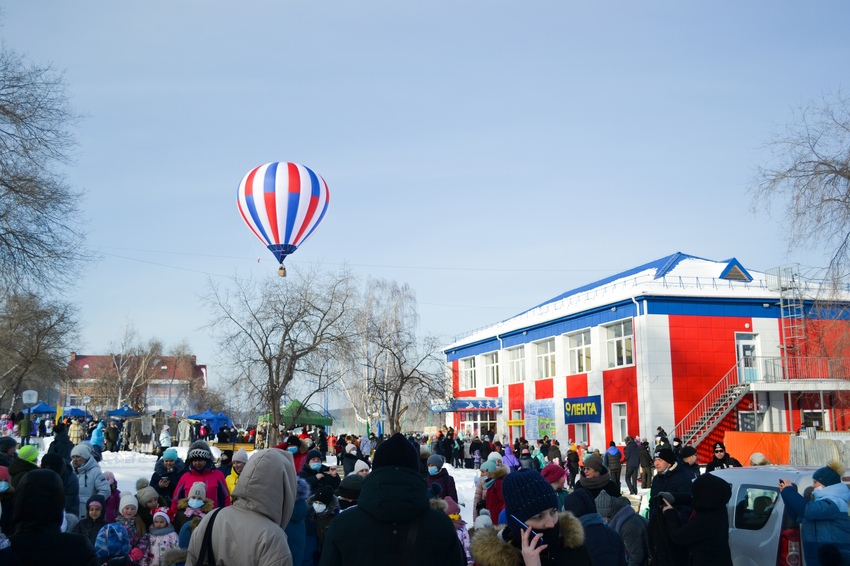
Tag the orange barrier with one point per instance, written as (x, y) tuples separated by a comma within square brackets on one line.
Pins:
[(776, 446)]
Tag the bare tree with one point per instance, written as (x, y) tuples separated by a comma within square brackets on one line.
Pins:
[(280, 336), (400, 368), (40, 233), (810, 178), (35, 334)]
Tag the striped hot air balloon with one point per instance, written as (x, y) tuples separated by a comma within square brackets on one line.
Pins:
[(282, 204)]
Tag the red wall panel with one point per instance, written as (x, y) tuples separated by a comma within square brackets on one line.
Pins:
[(544, 389), (620, 386)]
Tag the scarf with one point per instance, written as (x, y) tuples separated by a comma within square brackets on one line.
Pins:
[(197, 512), (594, 483)]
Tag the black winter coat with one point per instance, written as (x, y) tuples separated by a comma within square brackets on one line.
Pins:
[(376, 530), (61, 445), (173, 477), (315, 484), (632, 455), (706, 534), (677, 482)]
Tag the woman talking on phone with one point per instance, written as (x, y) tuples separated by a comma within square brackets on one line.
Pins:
[(536, 534)]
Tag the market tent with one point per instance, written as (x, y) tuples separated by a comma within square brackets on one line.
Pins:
[(41, 408), (206, 415), (213, 419), (295, 413), (123, 413), (225, 420), (76, 412)]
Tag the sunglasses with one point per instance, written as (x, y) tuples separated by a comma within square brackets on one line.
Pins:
[(719, 451)]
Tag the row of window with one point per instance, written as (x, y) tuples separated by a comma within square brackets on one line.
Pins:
[(619, 342)]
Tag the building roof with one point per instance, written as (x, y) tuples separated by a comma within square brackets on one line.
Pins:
[(82, 366), (677, 275)]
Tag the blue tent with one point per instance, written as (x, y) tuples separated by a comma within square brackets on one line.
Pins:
[(41, 408), (225, 420), (76, 412), (123, 413), (206, 415)]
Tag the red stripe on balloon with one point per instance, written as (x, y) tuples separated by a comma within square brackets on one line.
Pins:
[(308, 218)]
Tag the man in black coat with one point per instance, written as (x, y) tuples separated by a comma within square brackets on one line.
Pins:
[(39, 510), (671, 484), (61, 444), (631, 458), (721, 459), (70, 484), (393, 522)]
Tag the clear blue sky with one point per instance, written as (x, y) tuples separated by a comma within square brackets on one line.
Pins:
[(491, 154)]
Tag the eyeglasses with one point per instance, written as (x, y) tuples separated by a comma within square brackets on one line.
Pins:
[(719, 451)]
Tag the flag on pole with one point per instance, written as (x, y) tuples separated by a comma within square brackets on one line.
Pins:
[(58, 412)]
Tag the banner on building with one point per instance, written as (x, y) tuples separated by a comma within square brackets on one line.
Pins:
[(539, 419), (466, 404), (578, 410)]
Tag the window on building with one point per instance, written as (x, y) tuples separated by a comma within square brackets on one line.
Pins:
[(619, 337), (478, 423), (516, 364), (467, 373), (74, 400), (491, 369), (579, 346), (619, 422), (582, 434), (546, 359)]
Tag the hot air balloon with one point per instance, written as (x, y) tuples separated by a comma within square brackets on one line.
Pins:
[(282, 204)]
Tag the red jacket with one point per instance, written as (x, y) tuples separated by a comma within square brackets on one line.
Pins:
[(494, 501), (216, 486)]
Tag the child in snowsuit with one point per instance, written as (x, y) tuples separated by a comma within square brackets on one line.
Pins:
[(162, 538), (94, 521), (135, 527)]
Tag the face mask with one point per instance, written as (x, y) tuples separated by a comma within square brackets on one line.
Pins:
[(319, 507), (317, 466), (4, 485), (293, 449), (432, 470), (818, 488), (196, 503)]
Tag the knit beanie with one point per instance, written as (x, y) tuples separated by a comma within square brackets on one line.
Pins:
[(6, 443), (170, 454), (325, 495), (719, 445), (687, 451), (594, 462), (396, 451), (436, 460), (493, 456), (110, 478), (198, 490), (226, 456), (360, 465), (829, 474), (144, 492), (199, 450), (483, 520), (81, 450), (28, 453), (349, 487), (240, 456), (489, 466), (580, 503), (604, 504), (526, 494), (128, 499), (667, 455), (552, 472)]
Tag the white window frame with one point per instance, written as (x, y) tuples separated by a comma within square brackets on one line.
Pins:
[(546, 359), (579, 351), (619, 422), (467, 373), (620, 343), (491, 369), (516, 364), (582, 433)]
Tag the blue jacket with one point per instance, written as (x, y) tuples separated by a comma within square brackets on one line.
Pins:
[(824, 520), (97, 435)]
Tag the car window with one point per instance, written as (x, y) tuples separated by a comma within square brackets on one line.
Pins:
[(754, 506)]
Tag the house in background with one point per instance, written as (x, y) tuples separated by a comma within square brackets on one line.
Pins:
[(693, 345), (149, 383)]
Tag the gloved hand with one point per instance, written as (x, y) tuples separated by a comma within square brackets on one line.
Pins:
[(136, 554), (668, 497)]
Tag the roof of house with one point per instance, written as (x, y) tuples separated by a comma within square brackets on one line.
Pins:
[(169, 367)]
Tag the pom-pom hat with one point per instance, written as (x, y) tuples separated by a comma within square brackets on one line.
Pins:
[(526, 494), (144, 492), (829, 474)]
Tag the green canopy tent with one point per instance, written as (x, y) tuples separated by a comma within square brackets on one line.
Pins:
[(295, 413)]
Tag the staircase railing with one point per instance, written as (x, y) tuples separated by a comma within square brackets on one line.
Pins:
[(716, 404)]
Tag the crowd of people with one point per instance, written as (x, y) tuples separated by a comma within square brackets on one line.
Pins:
[(389, 501)]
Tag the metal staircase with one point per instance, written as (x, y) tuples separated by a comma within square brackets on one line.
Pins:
[(708, 413)]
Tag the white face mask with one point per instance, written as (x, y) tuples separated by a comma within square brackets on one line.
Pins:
[(196, 503), (319, 507)]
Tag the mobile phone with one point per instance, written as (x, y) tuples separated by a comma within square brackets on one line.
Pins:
[(524, 526)]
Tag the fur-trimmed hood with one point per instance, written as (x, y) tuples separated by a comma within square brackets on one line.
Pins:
[(501, 471), (488, 548), (208, 505)]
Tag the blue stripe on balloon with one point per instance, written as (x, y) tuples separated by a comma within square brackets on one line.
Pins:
[(269, 178)]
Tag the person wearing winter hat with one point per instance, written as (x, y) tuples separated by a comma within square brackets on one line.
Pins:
[(237, 465), (225, 462), (8, 448), (300, 545), (705, 535), (200, 467), (631, 527), (672, 484), (167, 472), (89, 477), (393, 498), (72, 487), (192, 508), (438, 474), (112, 542), (23, 463), (688, 461), (113, 502), (349, 491), (557, 478), (297, 448), (163, 538), (251, 530), (317, 475), (361, 468), (322, 508), (535, 531), (493, 500), (478, 500), (596, 478), (61, 444), (824, 519), (130, 520), (605, 546), (483, 520), (721, 459), (94, 520), (149, 500), (38, 516), (452, 509)]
